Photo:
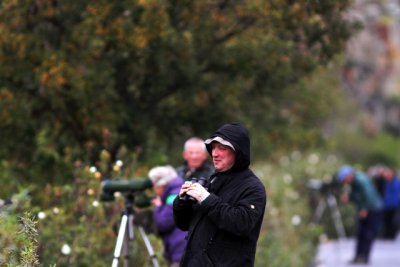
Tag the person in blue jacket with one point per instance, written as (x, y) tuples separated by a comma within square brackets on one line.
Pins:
[(167, 184), (391, 199), (388, 185), (369, 207)]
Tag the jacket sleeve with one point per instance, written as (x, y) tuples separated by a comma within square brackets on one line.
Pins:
[(183, 212), (163, 217), (241, 217)]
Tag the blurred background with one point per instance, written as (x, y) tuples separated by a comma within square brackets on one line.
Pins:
[(96, 90)]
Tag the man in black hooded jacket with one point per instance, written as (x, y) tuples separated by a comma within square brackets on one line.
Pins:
[(223, 222)]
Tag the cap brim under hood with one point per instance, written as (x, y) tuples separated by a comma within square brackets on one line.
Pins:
[(237, 135)]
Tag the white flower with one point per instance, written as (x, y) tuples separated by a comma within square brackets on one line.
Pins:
[(41, 215), (296, 220), (93, 169), (293, 195), (95, 203), (119, 163), (66, 250), (284, 161), (313, 159), (296, 155), (287, 178), (56, 210)]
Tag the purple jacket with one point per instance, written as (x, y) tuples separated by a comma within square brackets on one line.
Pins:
[(173, 238)]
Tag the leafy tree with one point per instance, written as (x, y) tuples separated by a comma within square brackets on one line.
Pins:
[(77, 77)]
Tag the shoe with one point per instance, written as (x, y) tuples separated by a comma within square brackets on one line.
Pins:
[(359, 260)]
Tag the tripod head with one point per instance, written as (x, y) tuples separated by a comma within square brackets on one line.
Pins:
[(133, 191), (323, 187)]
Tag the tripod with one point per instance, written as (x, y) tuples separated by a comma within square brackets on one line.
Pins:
[(330, 201), (126, 234)]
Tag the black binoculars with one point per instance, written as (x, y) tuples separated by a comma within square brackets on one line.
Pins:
[(202, 181)]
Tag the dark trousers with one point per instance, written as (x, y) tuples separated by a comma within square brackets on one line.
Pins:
[(368, 229), (389, 224)]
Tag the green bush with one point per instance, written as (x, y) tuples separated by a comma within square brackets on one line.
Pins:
[(289, 237), (76, 229), (18, 240)]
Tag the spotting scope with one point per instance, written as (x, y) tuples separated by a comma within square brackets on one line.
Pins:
[(125, 186)]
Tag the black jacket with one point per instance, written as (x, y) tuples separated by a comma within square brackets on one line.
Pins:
[(224, 228), (203, 171)]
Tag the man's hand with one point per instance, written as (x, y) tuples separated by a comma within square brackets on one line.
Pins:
[(184, 188), (198, 192)]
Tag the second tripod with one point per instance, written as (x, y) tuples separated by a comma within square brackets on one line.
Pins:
[(327, 199)]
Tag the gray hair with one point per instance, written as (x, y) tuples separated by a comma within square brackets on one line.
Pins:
[(194, 141), (162, 175)]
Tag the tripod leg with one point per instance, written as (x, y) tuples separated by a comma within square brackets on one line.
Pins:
[(337, 218), (128, 237), (120, 240), (148, 246), (130, 227), (126, 249), (319, 211)]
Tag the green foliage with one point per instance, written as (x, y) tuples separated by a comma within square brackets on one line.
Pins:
[(29, 255), (88, 85), (383, 149), (309, 104), (74, 228), (18, 239), (69, 220), (81, 76), (356, 138), (288, 237), (371, 150), (77, 228)]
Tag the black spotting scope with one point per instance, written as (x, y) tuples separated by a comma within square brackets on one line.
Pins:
[(127, 187), (130, 186)]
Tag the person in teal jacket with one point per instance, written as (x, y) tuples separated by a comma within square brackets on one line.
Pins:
[(369, 207)]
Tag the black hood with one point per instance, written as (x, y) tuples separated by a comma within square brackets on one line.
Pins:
[(238, 136)]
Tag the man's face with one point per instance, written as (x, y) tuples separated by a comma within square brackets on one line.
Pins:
[(159, 190), (223, 156), (388, 175), (348, 179), (195, 155)]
